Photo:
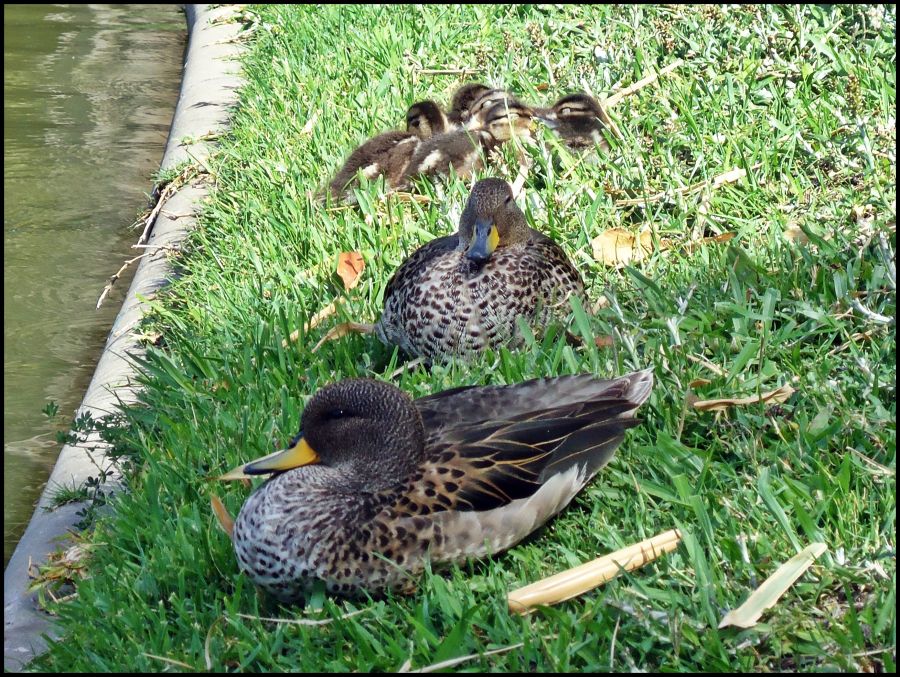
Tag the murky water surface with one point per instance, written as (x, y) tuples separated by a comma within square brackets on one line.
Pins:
[(89, 92)]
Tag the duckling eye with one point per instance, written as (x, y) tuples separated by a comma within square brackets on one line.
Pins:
[(414, 123)]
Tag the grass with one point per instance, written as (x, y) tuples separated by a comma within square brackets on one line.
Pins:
[(803, 98)]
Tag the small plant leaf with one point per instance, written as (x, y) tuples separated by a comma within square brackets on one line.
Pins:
[(766, 595)]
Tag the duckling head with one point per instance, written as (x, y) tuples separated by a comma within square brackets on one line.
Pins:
[(491, 220), (507, 119), (577, 105), (366, 431), (463, 99), (481, 107), (426, 119)]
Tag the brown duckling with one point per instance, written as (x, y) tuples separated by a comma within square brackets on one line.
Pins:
[(390, 153), (463, 149), (462, 293), (578, 120), (462, 101)]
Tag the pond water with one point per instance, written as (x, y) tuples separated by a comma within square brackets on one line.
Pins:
[(89, 93)]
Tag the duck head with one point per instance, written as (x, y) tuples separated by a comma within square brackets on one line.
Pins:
[(491, 220), (426, 119), (364, 430)]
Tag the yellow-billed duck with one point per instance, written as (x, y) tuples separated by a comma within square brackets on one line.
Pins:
[(461, 293), (377, 484)]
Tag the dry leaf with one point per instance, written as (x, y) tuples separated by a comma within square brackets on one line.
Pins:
[(604, 341), (585, 577), (766, 595), (724, 237), (349, 267), (222, 515), (308, 127), (617, 247), (343, 329), (699, 382), (780, 395), (794, 233)]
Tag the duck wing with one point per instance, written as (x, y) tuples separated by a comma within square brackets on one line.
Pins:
[(489, 447)]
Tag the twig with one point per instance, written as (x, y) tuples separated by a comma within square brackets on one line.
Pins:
[(305, 621), (409, 366), (327, 311), (462, 659), (730, 176), (151, 219), (115, 277), (447, 71), (706, 363), (640, 84), (871, 314), (172, 661)]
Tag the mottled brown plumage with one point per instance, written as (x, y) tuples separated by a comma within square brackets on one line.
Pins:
[(452, 297), (463, 151), (390, 153), (396, 482), (577, 119)]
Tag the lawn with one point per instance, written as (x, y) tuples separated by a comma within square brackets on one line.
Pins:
[(800, 98)]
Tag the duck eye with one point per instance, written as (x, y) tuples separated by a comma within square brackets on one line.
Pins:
[(334, 414), (414, 123)]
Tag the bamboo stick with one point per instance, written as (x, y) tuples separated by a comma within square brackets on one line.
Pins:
[(588, 576)]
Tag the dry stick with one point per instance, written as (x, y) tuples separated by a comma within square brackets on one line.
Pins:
[(327, 311), (462, 659), (730, 176), (580, 579), (115, 277), (448, 71), (163, 196), (643, 82)]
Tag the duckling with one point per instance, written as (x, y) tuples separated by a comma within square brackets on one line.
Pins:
[(462, 293), (378, 484), (463, 149), (462, 101), (390, 153), (578, 120)]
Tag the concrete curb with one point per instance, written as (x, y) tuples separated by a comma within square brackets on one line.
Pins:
[(208, 90)]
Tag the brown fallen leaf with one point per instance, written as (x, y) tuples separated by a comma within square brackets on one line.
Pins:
[(618, 247), (697, 382), (343, 329), (350, 266), (221, 513), (724, 237), (604, 341), (779, 395), (794, 233)]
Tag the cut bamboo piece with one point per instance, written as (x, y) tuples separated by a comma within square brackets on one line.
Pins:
[(585, 577)]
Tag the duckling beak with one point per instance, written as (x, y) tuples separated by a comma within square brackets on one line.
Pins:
[(484, 241), (293, 457)]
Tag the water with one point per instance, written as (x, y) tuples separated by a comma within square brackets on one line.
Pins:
[(89, 92)]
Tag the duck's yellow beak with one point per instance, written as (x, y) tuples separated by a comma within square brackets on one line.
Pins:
[(293, 457), (484, 241)]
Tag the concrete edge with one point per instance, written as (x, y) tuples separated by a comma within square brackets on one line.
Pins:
[(208, 91)]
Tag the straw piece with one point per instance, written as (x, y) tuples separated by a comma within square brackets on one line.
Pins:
[(580, 579)]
